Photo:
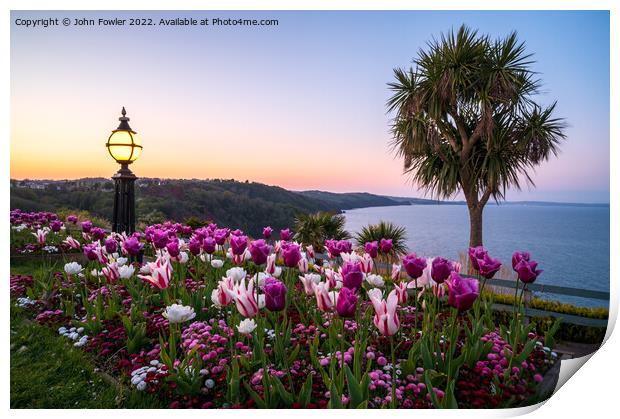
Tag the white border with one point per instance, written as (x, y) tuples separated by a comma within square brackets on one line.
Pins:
[(592, 392)]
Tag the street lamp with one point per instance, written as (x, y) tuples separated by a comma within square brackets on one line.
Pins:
[(125, 147)]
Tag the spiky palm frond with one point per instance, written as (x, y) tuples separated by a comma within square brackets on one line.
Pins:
[(315, 228), (465, 114), (384, 230)]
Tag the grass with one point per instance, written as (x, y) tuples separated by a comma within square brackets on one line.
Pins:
[(48, 372)]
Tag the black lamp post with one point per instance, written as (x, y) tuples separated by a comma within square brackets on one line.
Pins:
[(124, 147)]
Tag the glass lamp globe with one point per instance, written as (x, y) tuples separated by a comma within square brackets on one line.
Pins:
[(124, 144)]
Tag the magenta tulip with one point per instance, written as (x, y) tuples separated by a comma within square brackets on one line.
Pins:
[(267, 231), (487, 266), (238, 244), (386, 245), (352, 275), (56, 225), (462, 292), (291, 254), (194, 245), (132, 246), (346, 302), (259, 250), (209, 245), (220, 235), (285, 234), (518, 256), (98, 233), (414, 265), (372, 248), (111, 245), (160, 239), (441, 269), (173, 248), (275, 294), (86, 226), (526, 270), (476, 253)]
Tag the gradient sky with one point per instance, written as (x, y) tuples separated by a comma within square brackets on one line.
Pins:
[(300, 105)]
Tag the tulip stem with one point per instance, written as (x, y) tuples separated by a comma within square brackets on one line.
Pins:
[(453, 342), (393, 400), (515, 302), (416, 303)]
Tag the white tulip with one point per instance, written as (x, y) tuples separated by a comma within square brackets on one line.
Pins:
[(375, 280), (183, 258), (246, 326), (260, 278), (126, 271), (145, 269), (178, 314), (217, 264), (236, 273), (73, 268), (121, 261)]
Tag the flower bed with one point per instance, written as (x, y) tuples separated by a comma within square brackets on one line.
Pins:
[(215, 319)]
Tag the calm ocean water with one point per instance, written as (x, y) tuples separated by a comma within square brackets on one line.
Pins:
[(570, 243)]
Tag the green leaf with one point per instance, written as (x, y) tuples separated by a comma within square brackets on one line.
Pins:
[(427, 359), (286, 397), (429, 389), (355, 390), (305, 394), (335, 401), (527, 350), (293, 355), (257, 399), (449, 399)]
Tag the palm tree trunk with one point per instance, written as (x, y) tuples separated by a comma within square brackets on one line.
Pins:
[(475, 225)]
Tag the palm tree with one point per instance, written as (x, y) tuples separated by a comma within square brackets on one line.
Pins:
[(466, 120), (315, 228), (385, 230)]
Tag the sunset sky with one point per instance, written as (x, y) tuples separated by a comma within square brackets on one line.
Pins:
[(300, 105)]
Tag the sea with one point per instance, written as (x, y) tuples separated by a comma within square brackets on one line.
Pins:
[(570, 242)]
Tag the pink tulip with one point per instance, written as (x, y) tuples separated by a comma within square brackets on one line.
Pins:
[(161, 271), (439, 290), (223, 297), (99, 253), (72, 243), (366, 263), (386, 318), (331, 277), (303, 265), (324, 299), (239, 259), (244, 297), (401, 292), (308, 281), (271, 264), (310, 251), (40, 235), (111, 272), (395, 271)]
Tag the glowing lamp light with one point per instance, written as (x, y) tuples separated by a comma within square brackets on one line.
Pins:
[(124, 143)]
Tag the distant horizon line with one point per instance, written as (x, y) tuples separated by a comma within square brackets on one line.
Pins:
[(455, 201)]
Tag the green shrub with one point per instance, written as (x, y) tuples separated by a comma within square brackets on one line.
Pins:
[(315, 228), (385, 230)]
